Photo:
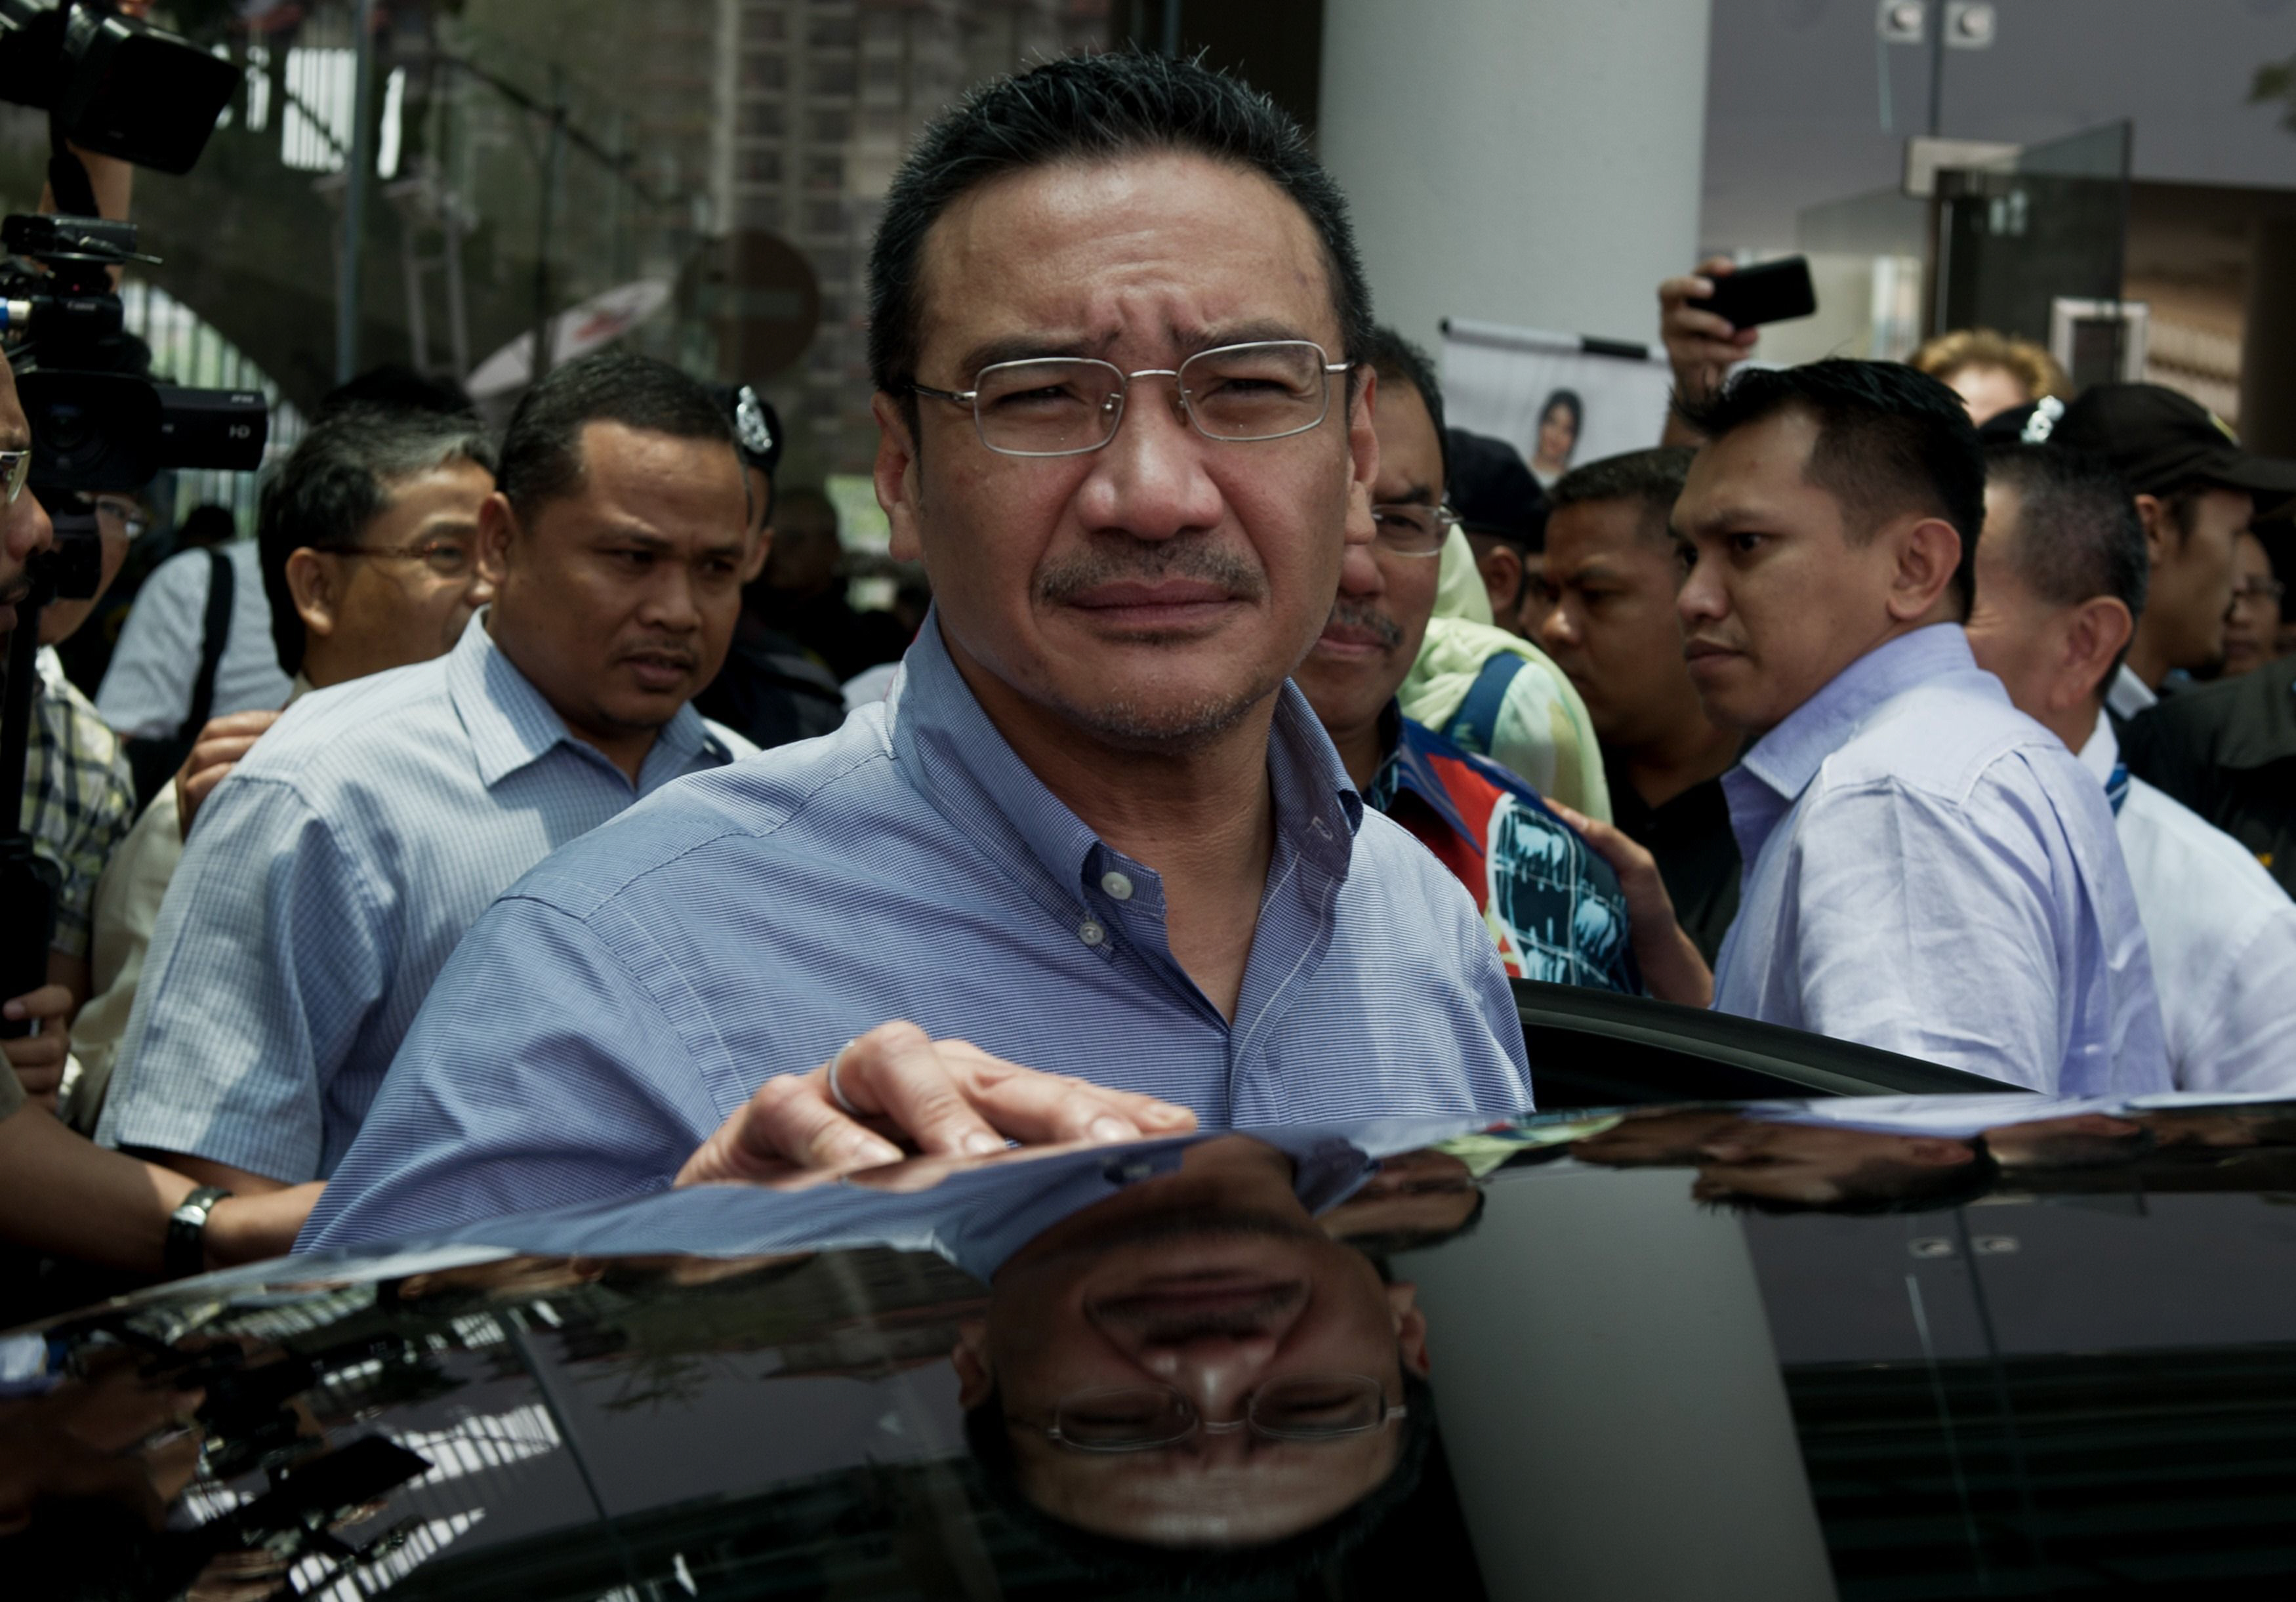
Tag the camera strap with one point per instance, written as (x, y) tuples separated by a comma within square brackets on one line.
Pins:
[(68, 179)]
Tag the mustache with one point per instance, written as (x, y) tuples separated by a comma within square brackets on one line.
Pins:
[(1349, 614), (1115, 559), (677, 651), (1163, 1327)]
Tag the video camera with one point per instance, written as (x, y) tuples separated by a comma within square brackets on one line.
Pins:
[(95, 427), (117, 86)]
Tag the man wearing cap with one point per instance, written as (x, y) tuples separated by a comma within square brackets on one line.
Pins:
[(1477, 678), (2195, 491)]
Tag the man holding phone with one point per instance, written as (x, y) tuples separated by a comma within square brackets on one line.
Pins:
[(1708, 319)]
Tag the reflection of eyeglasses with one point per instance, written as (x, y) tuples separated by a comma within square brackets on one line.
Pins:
[(127, 514), (1409, 530), (447, 558), (2258, 589), (1297, 1406), (1066, 405), (15, 467)]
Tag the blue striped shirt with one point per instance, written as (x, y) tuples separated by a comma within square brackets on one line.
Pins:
[(630, 995), (329, 879)]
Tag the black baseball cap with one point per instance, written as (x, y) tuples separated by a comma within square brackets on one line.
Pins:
[(1493, 492), (2159, 440)]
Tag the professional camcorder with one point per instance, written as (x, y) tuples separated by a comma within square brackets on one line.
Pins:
[(113, 85), (93, 425)]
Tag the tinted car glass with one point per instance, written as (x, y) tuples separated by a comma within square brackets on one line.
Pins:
[(1925, 1347)]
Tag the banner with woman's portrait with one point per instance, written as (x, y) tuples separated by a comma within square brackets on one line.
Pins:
[(1559, 398)]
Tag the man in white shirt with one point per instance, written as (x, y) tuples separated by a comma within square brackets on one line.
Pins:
[(2062, 574)]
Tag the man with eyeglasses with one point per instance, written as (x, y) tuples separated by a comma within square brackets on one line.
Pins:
[(1554, 907), (367, 542), (1116, 335), (329, 880)]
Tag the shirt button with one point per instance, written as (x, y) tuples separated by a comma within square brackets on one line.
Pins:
[(1090, 933), (1118, 887)]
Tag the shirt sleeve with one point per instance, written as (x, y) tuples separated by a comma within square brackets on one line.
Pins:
[(1918, 932), (270, 951), (147, 690), (539, 1073)]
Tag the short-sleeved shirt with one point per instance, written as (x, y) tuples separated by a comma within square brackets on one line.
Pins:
[(2229, 751), (1932, 871), (330, 878), (1688, 835), (1554, 907), (79, 798), (632, 993), (2222, 934)]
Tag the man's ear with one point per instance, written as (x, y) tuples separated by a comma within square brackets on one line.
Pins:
[(899, 491), (2096, 634), (1410, 1329), (1500, 566), (498, 530), (975, 1378), (764, 548), (2160, 532), (315, 584), (1928, 553), (1363, 440)]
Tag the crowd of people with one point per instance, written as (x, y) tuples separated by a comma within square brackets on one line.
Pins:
[(529, 819)]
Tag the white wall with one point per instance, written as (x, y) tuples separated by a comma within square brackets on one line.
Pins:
[(1564, 138)]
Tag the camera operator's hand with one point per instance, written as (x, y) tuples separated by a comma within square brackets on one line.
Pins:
[(1700, 346), (1673, 970), (222, 742), (38, 1059), (947, 1096)]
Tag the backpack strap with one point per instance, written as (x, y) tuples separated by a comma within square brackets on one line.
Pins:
[(215, 634), (1478, 717)]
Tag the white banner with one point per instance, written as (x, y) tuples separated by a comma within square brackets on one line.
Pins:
[(1594, 397)]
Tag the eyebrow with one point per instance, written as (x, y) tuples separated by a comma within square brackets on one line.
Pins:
[(650, 541), (1421, 495), (1042, 347), (1727, 517)]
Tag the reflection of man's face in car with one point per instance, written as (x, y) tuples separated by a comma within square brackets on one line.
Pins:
[(1423, 1193), (1818, 1165), (1215, 1282), (1666, 1138)]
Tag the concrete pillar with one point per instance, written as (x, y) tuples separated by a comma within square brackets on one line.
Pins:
[(1528, 161)]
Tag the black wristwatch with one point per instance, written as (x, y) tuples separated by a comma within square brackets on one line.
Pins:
[(185, 1253)]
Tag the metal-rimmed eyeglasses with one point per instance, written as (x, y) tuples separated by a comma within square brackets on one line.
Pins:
[(15, 467), (1065, 405), (446, 558), (1407, 530), (1297, 1407)]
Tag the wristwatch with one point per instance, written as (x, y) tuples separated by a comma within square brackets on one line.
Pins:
[(185, 1252)]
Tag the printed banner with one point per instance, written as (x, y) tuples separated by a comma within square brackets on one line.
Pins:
[(1559, 398)]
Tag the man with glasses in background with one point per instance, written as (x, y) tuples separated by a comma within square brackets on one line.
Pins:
[(367, 537), (1554, 907), (1116, 335)]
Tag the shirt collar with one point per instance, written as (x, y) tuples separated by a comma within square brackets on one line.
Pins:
[(511, 726), (2102, 753), (2129, 695), (962, 763), (1787, 758)]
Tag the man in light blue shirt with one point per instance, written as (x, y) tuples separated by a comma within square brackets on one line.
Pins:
[(333, 873), (1094, 829), (1928, 870)]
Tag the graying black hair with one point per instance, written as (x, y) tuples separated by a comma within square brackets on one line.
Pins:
[(2078, 535)]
